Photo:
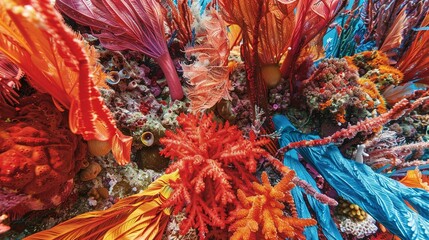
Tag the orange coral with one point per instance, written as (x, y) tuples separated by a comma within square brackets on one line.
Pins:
[(34, 37), (374, 66), (213, 160), (340, 115), (367, 60), (370, 88), (323, 106), (414, 179), (265, 208), (385, 76)]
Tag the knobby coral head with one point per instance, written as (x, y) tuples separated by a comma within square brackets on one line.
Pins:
[(39, 156)]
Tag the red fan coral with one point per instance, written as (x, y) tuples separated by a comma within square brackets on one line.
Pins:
[(265, 29), (260, 216), (179, 18), (312, 18), (273, 30), (414, 63), (212, 160)]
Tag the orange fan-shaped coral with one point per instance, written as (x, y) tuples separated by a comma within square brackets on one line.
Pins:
[(261, 216), (34, 37)]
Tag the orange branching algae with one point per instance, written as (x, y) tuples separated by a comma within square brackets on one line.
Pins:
[(56, 61)]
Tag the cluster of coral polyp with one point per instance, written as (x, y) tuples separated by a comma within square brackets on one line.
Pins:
[(39, 155), (336, 90)]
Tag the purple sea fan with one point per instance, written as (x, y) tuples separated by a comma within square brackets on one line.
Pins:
[(128, 24)]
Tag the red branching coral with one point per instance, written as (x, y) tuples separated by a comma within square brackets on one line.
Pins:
[(260, 215), (39, 155), (366, 126), (212, 160)]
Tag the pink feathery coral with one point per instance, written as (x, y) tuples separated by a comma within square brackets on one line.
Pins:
[(128, 24), (209, 74)]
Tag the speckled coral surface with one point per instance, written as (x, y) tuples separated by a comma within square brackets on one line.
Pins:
[(40, 155)]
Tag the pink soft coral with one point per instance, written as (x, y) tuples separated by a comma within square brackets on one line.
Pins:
[(209, 74), (127, 24)]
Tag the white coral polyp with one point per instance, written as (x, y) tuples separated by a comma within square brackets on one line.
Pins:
[(359, 229)]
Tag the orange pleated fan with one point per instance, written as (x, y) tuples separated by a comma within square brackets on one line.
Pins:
[(140, 216), (56, 61)]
